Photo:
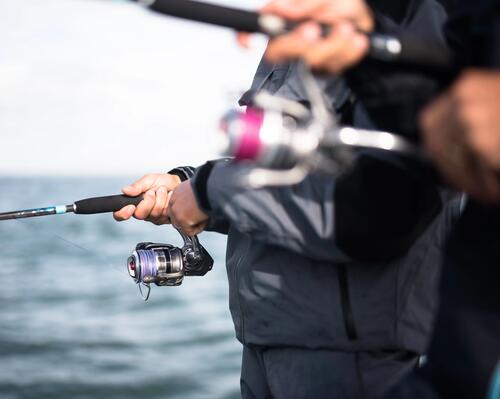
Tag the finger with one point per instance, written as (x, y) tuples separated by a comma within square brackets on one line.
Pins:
[(166, 214), (160, 203), (326, 11), (295, 9), (342, 49), (293, 45), (243, 39), (140, 186), (145, 207), (125, 213)]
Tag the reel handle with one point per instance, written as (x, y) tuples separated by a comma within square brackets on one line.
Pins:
[(111, 203), (189, 241)]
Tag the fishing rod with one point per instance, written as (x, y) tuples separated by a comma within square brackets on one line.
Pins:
[(404, 49), (150, 263), (87, 206)]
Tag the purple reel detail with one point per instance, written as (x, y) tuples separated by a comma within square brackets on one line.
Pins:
[(147, 264)]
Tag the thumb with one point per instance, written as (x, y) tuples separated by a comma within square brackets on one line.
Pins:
[(140, 186)]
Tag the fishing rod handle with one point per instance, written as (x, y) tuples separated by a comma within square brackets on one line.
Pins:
[(405, 49), (111, 203)]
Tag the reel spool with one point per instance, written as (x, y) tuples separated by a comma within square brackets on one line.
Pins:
[(166, 265)]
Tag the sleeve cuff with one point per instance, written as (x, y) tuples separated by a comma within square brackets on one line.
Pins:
[(199, 184), (183, 172)]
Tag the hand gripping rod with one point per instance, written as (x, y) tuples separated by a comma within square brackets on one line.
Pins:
[(404, 49)]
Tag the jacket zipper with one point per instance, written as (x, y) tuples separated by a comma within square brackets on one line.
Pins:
[(237, 287), (345, 303)]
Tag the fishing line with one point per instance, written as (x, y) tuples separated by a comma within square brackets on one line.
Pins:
[(86, 206), (107, 261)]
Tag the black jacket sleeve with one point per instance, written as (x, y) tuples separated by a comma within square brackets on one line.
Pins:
[(298, 218), (215, 224), (393, 96), (372, 212)]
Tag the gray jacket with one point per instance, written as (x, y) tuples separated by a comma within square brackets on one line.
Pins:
[(291, 285), (307, 265)]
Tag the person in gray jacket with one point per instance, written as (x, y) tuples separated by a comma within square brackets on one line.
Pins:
[(332, 281)]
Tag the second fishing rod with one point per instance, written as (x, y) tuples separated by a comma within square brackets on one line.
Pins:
[(403, 49)]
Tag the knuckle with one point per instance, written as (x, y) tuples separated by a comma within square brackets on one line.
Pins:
[(154, 215), (464, 88), (141, 214)]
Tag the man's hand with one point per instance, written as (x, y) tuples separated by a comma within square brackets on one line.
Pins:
[(184, 211), (462, 133), (157, 188), (344, 46)]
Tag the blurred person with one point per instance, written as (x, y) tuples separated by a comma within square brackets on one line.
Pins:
[(462, 135), (331, 280), (461, 132)]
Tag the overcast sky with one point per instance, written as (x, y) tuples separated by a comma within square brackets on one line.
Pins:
[(101, 87)]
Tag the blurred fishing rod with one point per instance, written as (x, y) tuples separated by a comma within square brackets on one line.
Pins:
[(404, 49), (87, 206), (304, 140)]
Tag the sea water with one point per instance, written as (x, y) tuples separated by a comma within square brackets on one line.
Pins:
[(72, 323)]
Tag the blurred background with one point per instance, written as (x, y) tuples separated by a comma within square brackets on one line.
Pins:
[(93, 94)]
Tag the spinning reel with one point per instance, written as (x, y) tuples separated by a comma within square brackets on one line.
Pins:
[(286, 141), (166, 265)]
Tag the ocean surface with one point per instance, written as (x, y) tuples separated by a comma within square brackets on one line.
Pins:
[(72, 322)]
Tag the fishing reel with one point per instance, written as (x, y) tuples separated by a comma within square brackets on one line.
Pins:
[(166, 265), (285, 141)]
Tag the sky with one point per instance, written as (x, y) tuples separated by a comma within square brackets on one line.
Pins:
[(107, 88)]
